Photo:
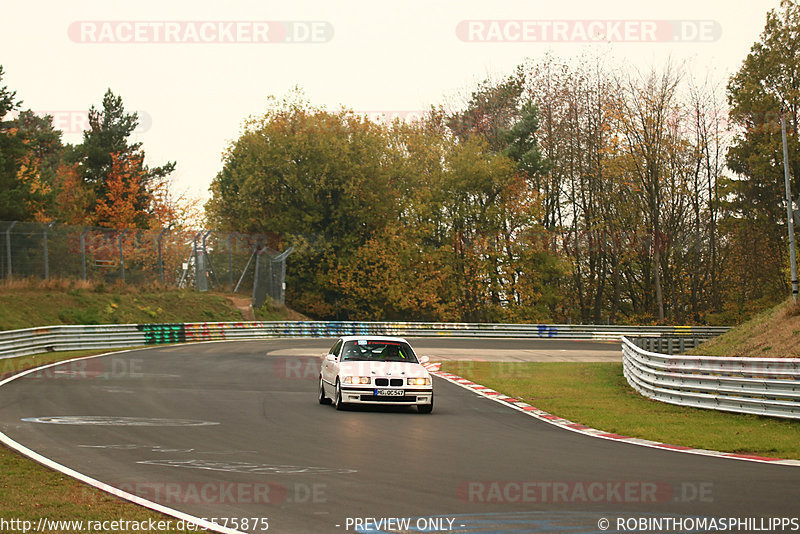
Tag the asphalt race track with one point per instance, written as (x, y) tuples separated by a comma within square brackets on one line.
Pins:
[(234, 430)]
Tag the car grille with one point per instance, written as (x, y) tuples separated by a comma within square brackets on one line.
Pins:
[(387, 382)]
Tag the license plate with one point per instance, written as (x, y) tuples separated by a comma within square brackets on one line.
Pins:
[(389, 393)]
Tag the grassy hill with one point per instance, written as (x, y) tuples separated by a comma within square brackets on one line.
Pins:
[(26, 304), (774, 333)]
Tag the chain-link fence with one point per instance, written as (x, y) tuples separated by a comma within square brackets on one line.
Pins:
[(201, 259)]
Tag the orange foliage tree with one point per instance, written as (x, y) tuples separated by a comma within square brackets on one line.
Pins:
[(73, 199), (122, 205), (29, 174)]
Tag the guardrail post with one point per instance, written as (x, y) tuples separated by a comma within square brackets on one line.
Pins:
[(200, 267), (207, 261), (255, 277), (255, 249), (83, 253), (197, 266), (121, 255), (8, 249), (230, 258), (789, 211), (46, 255), (282, 259), (160, 258)]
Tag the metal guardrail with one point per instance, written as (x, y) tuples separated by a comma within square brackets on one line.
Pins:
[(761, 386), (71, 337)]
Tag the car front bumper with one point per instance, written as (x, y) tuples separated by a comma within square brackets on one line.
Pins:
[(411, 396)]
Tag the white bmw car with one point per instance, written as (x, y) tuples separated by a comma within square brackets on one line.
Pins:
[(375, 370)]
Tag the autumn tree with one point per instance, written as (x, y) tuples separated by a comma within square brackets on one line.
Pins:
[(73, 200), (27, 144), (402, 271), (765, 86), (313, 179), (646, 111), (624, 152), (490, 111), (388, 221), (708, 137), (39, 167), (106, 144), (119, 207), (522, 146), (584, 198)]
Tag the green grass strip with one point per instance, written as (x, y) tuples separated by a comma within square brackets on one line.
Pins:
[(597, 395)]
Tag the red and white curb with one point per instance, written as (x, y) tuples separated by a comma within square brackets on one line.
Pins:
[(541, 415)]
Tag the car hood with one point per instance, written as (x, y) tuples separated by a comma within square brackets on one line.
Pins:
[(402, 369)]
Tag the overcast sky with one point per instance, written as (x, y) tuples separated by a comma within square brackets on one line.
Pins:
[(194, 70)]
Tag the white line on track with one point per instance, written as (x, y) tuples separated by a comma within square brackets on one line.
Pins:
[(47, 462)]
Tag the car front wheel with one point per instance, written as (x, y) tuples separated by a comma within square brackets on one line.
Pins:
[(425, 408), (322, 398), (338, 402)]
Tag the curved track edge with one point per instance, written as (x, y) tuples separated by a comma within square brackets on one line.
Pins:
[(135, 499)]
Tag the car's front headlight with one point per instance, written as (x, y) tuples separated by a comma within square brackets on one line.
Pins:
[(419, 381), (357, 380)]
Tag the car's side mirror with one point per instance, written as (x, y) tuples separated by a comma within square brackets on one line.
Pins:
[(424, 359), (330, 358)]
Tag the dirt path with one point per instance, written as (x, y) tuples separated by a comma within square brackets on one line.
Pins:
[(244, 306)]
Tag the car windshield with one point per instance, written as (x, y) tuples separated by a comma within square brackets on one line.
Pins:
[(379, 351)]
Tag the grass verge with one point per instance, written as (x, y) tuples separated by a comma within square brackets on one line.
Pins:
[(30, 491), (28, 304), (597, 395), (773, 333)]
